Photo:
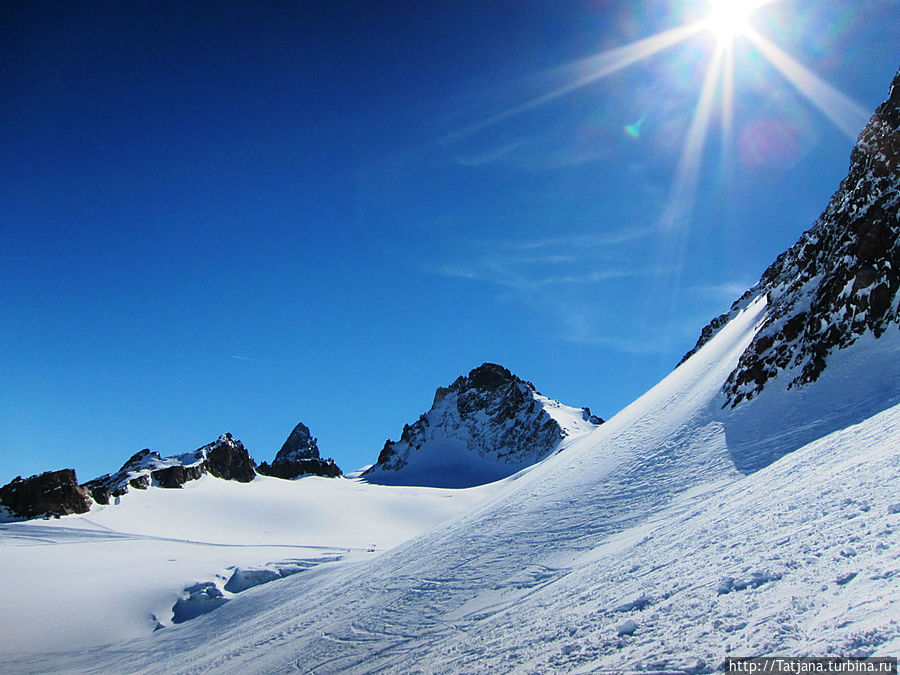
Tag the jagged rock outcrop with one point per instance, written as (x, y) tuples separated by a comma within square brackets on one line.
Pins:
[(228, 459), (52, 493), (224, 458), (299, 456), (485, 426), (839, 281)]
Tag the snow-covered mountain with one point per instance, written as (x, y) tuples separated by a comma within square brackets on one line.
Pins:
[(693, 525), (57, 493), (483, 427)]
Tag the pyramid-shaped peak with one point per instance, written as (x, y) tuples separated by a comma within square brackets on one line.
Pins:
[(299, 445)]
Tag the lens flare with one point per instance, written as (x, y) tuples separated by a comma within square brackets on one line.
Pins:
[(634, 129)]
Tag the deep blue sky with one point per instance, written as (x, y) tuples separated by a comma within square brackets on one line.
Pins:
[(237, 216)]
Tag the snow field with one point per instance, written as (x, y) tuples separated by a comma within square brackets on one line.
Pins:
[(115, 573)]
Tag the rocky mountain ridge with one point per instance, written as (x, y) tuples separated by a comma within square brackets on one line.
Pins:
[(224, 458), (839, 281), (484, 426), (58, 493)]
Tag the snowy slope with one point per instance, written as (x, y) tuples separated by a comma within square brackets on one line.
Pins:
[(114, 573)]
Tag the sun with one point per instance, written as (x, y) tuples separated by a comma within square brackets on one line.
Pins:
[(729, 19)]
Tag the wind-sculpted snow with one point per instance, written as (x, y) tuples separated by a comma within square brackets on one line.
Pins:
[(840, 281), (205, 596)]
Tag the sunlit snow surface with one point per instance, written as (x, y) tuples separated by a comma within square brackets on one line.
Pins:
[(115, 573), (640, 547)]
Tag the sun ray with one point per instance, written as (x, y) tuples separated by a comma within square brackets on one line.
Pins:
[(846, 115), (585, 71), (673, 235), (727, 99), (682, 194)]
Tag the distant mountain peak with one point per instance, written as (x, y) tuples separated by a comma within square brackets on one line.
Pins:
[(484, 426), (839, 281), (299, 456), (299, 445)]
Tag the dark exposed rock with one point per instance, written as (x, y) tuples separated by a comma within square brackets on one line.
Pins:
[(141, 482), (99, 493), (387, 452), (301, 467), (299, 456), (489, 377), (170, 477), (227, 458), (299, 445), (54, 493), (839, 281), (588, 417)]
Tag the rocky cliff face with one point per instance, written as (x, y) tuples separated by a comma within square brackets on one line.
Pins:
[(840, 281), (52, 493), (484, 426), (225, 458), (299, 456)]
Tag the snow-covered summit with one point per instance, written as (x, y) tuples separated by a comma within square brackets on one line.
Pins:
[(483, 427), (840, 281)]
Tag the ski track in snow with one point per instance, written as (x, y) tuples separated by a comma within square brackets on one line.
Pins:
[(639, 548), (36, 535)]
